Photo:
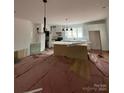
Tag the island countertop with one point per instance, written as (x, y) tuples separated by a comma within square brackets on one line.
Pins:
[(69, 43)]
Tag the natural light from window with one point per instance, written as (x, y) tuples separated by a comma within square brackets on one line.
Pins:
[(75, 34)]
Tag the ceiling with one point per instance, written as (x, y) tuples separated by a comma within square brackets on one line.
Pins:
[(76, 11)]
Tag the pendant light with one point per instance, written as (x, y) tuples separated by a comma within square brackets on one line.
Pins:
[(63, 29), (71, 29), (66, 28), (66, 24)]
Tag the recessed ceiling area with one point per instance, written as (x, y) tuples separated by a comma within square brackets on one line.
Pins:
[(77, 11)]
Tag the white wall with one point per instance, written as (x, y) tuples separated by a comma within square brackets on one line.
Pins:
[(22, 34), (103, 33), (37, 36)]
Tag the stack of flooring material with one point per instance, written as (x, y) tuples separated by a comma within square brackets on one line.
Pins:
[(101, 63)]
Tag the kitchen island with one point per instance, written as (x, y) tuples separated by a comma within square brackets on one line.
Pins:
[(77, 51)]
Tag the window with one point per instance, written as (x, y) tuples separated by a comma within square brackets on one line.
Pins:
[(75, 34), (80, 33), (68, 34)]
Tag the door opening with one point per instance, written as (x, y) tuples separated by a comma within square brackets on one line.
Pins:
[(95, 39)]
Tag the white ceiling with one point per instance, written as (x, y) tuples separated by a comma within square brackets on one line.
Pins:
[(77, 11)]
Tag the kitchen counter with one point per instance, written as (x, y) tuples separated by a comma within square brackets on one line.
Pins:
[(70, 43), (76, 50)]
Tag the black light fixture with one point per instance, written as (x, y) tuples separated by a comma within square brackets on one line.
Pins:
[(66, 28), (71, 29), (63, 29), (66, 24)]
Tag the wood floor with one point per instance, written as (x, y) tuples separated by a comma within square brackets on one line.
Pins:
[(59, 74)]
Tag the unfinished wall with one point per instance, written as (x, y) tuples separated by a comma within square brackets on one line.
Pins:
[(103, 33), (22, 34), (38, 37), (36, 34)]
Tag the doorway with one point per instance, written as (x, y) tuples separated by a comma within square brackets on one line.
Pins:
[(95, 39)]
